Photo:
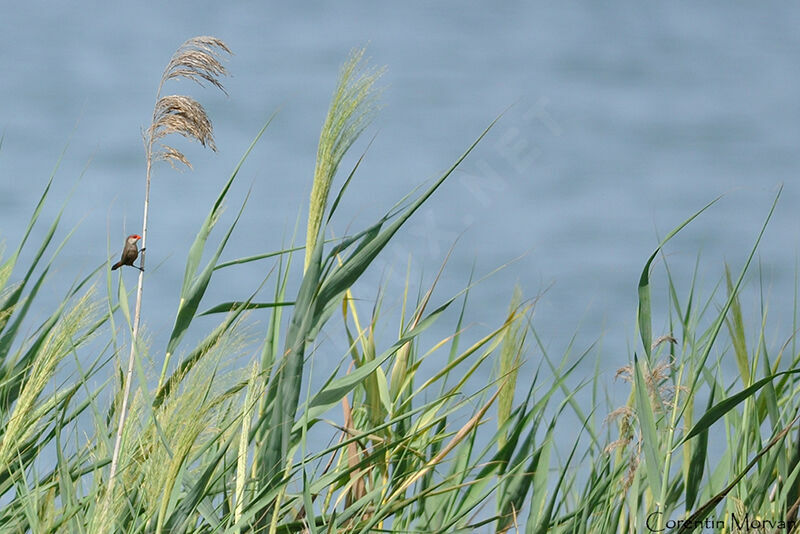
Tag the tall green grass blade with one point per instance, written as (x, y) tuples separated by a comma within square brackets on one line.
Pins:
[(339, 195), (8, 265), (257, 257), (194, 284), (196, 250), (712, 503), (718, 323), (697, 463), (343, 277), (309, 506), (723, 407), (645, 312), (289, 376), (333, 392), (736, 329), (647, 423), (542, 525), (540, 479), (192, 295), (10, 333), (227, 307)]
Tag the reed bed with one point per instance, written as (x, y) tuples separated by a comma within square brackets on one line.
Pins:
[(213, 447)]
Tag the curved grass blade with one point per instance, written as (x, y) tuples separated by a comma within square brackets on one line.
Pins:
[(721, 408), (347, 181), (256, 257), (715, 329), (190, 299), (197, 353), (226, 307), (196, 250), (333, 392), (194, 285), (343, 277), (644, 312)]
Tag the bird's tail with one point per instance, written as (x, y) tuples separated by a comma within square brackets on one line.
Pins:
[(116, 266)]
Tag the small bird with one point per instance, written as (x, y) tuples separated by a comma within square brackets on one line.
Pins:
[(129, 253)]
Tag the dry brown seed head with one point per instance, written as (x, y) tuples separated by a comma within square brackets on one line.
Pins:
[(198, 59)]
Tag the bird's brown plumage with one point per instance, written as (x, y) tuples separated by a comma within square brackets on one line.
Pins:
[(129, 253)]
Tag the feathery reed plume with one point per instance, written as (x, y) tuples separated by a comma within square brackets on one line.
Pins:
[(351, 111), (182, 115), (510, 360), (198, 59), (22, 419)]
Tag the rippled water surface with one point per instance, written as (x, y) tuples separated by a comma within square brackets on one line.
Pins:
[(619, 121)]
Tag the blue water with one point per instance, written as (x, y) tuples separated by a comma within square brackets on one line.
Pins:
[(619, 121)]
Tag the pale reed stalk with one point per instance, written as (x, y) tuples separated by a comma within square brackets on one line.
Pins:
[(196, 59)]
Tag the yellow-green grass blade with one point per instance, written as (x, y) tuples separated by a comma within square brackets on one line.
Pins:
[(20, 313), (735, 325), (647, 424), (269, 354), (330, 395), (540, 479), (8, 265), (15, 369)]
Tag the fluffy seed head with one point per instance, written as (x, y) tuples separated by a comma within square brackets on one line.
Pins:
[(198, 59)]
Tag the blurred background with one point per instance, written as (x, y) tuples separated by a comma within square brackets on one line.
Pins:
[(619, 121)]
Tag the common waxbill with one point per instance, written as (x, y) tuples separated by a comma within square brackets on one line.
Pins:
[(129, 253)]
